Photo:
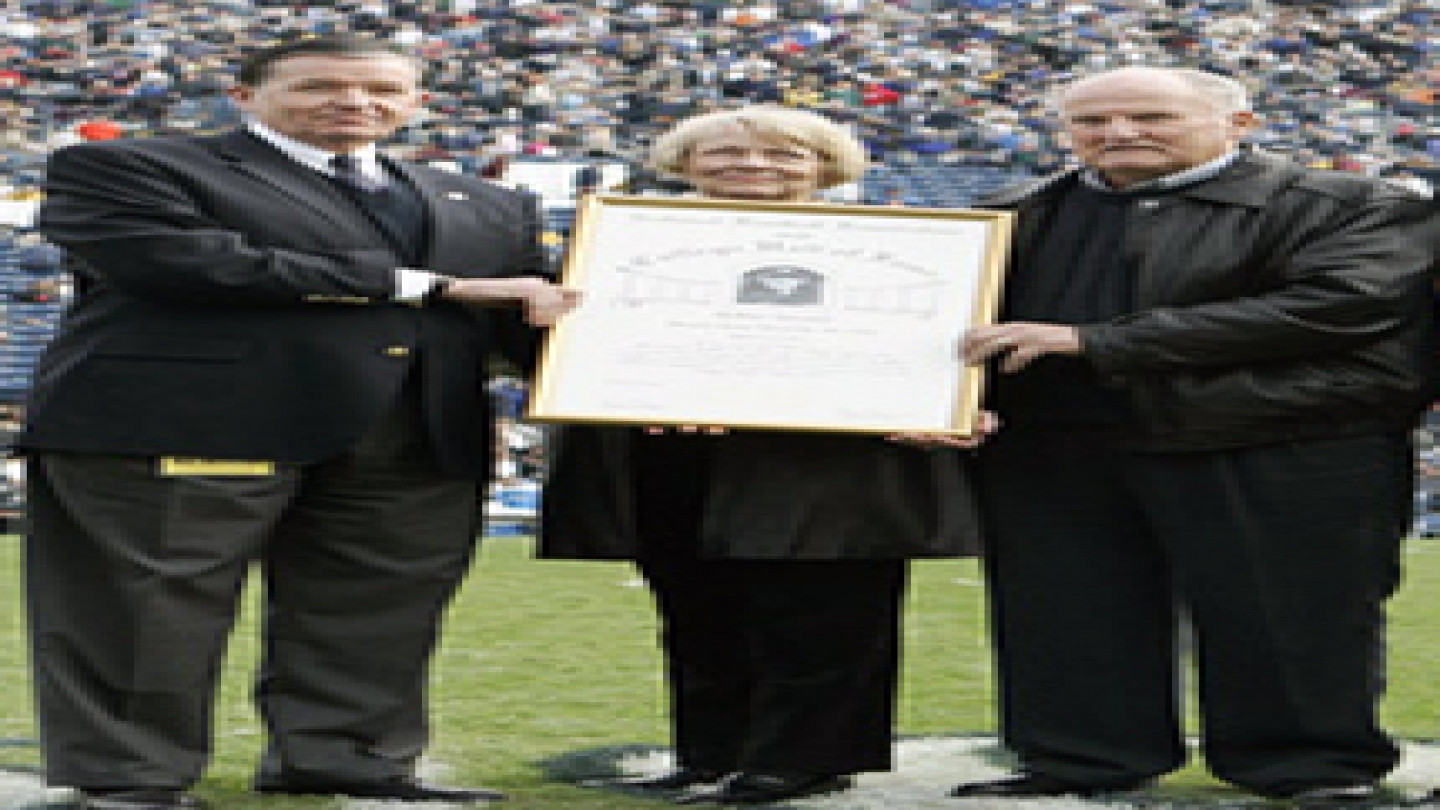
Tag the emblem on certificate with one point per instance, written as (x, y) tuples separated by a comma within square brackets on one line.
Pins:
[(781, 284), (783, 316)]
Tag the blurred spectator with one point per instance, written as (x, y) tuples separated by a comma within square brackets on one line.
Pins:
[(99, 130)]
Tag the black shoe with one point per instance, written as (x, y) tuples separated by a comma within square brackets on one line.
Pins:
[(763, 788), (138, 799), (678, 779), (1037, 784), (1362, 795), (402, 789)]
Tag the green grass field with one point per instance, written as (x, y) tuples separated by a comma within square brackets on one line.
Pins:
[(546, 660)]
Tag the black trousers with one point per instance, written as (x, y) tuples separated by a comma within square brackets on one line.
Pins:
[(133, 582), (774, 666), (1283, 555)]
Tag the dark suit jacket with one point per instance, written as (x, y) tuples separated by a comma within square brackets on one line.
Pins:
[(231, 303)]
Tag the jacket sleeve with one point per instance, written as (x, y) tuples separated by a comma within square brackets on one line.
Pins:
[(1347, 275), (517, 341), (141, 225)]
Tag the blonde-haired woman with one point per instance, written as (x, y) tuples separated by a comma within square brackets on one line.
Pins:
[(830, 155), (777, 559)]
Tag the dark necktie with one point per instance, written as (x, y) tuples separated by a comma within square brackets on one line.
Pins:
[(393, 207), (347, 171)]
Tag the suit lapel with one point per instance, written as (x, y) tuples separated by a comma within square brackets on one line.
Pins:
[(449, 214), (254, 157), (457, 222)]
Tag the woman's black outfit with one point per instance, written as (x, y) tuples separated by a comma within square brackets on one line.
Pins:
[(777, 561)]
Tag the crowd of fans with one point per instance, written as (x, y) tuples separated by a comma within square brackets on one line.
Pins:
[(1349, 85)]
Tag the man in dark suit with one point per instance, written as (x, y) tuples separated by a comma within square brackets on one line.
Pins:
[(276, 354)]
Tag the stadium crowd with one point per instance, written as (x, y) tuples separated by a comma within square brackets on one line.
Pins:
[(961, 82)]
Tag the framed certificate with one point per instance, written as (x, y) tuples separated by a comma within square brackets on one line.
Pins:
[(784, 316)]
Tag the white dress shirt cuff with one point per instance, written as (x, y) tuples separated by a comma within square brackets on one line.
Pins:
[(411, 285)]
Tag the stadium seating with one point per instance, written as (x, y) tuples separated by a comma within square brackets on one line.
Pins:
[(935, 186), (25, 325)]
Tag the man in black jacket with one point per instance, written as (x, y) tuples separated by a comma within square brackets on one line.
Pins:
[(1209, 363), (276, 353)]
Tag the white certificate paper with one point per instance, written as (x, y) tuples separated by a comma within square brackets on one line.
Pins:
[(778, 316)]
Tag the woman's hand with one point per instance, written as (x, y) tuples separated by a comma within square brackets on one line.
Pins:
[(708, 430), (985, 426)]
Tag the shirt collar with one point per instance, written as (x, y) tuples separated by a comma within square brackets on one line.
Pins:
[(1194, 174), (318, 159)]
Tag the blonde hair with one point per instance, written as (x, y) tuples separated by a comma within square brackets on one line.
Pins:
[(842, 156)]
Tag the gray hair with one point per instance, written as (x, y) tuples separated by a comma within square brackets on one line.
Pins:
[(1227, 94)]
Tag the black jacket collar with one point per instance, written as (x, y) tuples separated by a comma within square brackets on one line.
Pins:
[(1251, 181)]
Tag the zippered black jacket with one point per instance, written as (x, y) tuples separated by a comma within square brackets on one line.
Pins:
[(1272, 303)]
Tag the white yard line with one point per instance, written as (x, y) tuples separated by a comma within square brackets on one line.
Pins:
[(24, 790)]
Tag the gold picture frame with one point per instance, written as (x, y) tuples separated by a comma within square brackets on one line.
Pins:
[(773, 316)]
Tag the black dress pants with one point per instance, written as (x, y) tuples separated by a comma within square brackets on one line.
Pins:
[(1284, 556), (133, 580), (774, 666)]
